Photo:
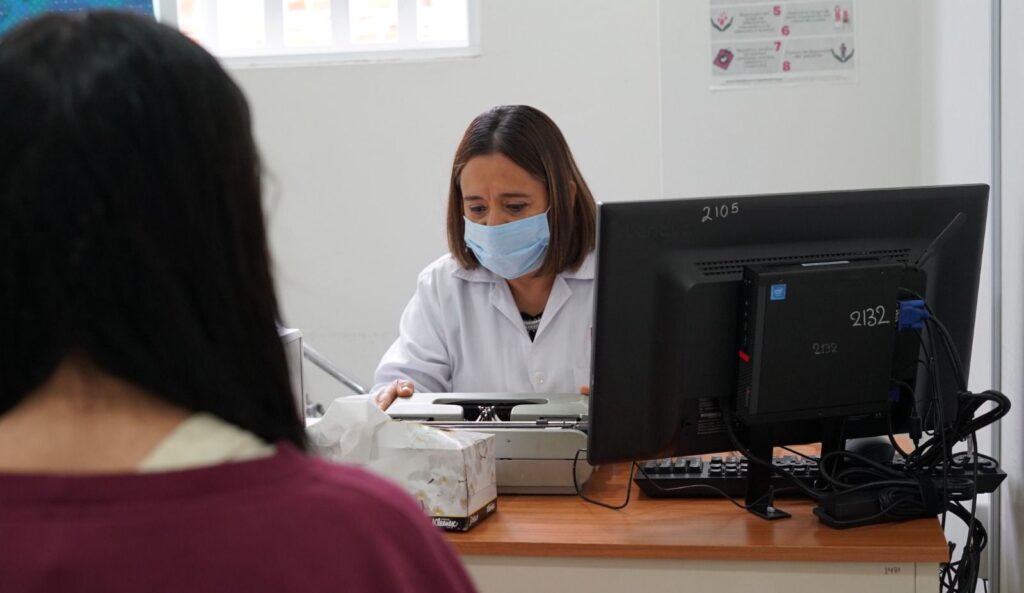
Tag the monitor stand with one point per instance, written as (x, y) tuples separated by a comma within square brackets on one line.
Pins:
[(760, 498)]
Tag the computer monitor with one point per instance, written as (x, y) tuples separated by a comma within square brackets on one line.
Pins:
[(669, 306)]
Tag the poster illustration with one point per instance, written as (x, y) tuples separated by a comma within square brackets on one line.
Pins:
[(771, 42)]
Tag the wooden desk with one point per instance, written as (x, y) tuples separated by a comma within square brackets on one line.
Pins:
[(561, 543)]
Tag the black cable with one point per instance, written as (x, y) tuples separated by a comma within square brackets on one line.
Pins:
[(925, 480), (812, 493), (947, 338), (975, 454), (629, 489), (940, 414), (949, 347), (795, 452), (929, 364), (960, 575), (867, 520), (969, 543), (892, 437), (579, 491), (887, 471), (963, 573), (715, 489)]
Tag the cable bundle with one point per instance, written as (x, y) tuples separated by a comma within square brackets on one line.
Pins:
[(895, 494)]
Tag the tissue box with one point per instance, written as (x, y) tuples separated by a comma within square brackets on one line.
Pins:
[(450, 473)]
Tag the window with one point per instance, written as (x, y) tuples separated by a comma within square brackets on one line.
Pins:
[(269, 31)]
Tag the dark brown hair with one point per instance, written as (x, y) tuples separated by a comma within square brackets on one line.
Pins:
[(532, 141)]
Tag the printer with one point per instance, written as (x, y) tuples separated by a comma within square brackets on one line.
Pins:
[(539, 438)]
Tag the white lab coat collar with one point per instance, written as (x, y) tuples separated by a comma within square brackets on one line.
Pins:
[(501, 296)]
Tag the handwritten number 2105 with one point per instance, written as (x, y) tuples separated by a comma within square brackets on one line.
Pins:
[(711, 213)]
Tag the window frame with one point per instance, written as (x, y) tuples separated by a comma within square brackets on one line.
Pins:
[(166, 12)]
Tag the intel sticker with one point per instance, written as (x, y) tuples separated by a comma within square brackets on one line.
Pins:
[(778, 292)]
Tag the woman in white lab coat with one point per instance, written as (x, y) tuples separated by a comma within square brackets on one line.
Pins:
[(509, 308)]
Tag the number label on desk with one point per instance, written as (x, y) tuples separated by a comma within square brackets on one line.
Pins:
[(713, 213), (892, 570), (869, 317)]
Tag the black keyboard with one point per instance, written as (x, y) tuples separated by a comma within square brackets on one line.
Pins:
[(692, 477)]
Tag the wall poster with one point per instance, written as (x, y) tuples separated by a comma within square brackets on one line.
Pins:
[(772, 42)]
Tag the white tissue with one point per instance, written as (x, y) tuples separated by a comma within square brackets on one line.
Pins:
[(347, 430), (450, 473)]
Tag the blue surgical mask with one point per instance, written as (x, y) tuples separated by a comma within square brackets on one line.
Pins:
[(512, 249)]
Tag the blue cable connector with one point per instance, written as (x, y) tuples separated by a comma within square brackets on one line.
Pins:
[(912, 315)]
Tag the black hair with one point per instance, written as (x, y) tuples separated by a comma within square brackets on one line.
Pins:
[(131, 223)]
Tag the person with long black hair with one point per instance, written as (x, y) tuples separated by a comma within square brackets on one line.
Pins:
[(148, 437)]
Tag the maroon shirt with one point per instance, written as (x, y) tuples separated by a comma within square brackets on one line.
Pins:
[(288, 522)]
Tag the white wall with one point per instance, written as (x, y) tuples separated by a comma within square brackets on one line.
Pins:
[(799, 138)]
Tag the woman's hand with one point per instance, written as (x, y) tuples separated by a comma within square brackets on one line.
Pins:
[(394, 390)]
